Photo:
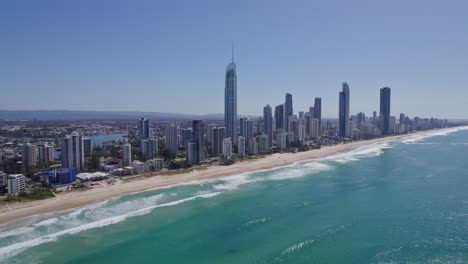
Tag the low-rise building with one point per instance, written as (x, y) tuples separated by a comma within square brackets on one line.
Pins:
[(16, 183)]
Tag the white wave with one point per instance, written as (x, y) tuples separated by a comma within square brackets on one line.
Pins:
[(297, 246), (361, 152), (233, 182), (14, 249), (414, 139), (297, 170)]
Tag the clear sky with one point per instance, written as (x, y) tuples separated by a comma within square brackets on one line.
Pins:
[(171, 56)]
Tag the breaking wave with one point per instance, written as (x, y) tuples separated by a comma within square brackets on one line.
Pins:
[(83, 219), (416, 139)]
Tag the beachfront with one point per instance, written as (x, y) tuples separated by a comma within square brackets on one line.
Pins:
[(70, 200)]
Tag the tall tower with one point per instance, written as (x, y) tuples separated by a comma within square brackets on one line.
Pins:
[(344, 129), (279, 116), (198, 129), (288, 110), (73, 151), (268, 124), (318, 110), (230, 101), (385, 109)]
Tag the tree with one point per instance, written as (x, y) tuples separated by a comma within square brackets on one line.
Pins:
[(95, 161)]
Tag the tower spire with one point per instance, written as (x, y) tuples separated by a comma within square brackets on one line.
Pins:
[(232, 52)]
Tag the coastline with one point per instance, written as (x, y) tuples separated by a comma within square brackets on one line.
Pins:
[(76, 199)]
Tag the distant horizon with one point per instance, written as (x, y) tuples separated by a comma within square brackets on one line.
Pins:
[(221, 115)]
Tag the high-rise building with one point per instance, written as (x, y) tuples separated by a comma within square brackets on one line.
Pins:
[(217, 136), (279, 116), (230, 102), (144, 128), (73, 151), (281, 140), (227, 148), (315, 133), (29, 155), (308, 125), (318, 110), (45, 153), (288, 110), (243, 126), (126, 154), (262, 143), (172, 140), (253, 146), (185, 137), (343, 124), (192, 152), (250, 129), (268, 125), (198, 129), (241, 146), (149, 148), (385, 110)]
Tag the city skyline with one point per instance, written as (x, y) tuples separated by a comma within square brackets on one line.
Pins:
[(130, 57)]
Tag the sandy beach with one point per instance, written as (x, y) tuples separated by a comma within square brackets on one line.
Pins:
[(74, 199)]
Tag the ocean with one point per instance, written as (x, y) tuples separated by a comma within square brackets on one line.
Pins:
[(403, 201)]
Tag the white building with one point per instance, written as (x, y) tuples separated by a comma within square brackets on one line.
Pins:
[(138, 167), (315, 128), (241, 146), (16, 183), (126, 154), (227, 148), (73, 151)]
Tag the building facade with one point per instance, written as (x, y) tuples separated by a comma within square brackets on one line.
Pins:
[(343, 120), (230, 102)]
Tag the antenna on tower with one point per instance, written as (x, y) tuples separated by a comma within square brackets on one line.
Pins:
[(232, 52)]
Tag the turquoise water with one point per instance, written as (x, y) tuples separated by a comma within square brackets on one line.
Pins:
[(395, 202)]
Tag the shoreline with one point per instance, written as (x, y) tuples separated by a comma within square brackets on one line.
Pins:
[(76, 199)]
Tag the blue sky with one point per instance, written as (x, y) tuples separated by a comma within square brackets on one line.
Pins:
[(171, 56)]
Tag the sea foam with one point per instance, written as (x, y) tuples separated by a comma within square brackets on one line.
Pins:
[(98, 217)]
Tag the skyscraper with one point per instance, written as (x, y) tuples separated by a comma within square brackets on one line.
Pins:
[(217, 136), (343, 123), (73, 151), (243, 126), (126, 154), (144, 128), (288, 110), (241, 147), (279, 116), (172, 144), (318, 110), (385, 109), (227, 148), (198, 129), (230, 102), (29, 155), (268, 124), (45, 153)]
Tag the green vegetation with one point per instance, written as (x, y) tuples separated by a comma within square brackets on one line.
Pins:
[(37, 193)]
